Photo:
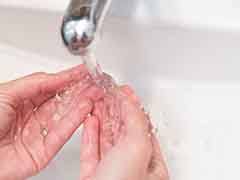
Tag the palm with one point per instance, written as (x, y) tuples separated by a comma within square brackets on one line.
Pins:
[(116, 143), (35, 123)]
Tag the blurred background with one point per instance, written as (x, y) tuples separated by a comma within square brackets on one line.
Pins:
[(181, 56), (213, 13)]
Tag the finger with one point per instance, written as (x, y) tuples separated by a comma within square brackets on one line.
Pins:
[(106, 134), (40, 86), (89, 155), (68, 114), (53, 111), (127, 90), (134, 147), (137, 130), (43, 141), (157, 167), (94, 93), (57, 119), (61, 132), (135, 120), (109, 111)]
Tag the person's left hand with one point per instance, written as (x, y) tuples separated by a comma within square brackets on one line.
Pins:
[(118, 143), (35, 124)]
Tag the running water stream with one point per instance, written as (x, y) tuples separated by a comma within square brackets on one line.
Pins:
[(108, 84), (111, 120), (102, 79)]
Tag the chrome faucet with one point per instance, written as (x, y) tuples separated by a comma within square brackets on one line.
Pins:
[(81, 23)]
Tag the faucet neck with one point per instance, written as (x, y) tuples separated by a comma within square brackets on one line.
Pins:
[(82, 21)]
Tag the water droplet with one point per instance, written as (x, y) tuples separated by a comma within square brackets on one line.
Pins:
[(66, 92), (44, 132), (89, 115), (147, 114), (56, 117), (155, 130), (35, 109), (142, 107), (58, 97), (88, 77)]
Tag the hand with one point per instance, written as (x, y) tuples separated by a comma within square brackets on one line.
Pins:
[(35, 124), (122, 148)]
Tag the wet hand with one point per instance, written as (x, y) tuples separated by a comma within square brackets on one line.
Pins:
[(35, 123), (123, 147)]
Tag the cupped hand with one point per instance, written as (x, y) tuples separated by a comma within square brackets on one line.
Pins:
[(117, 142), (35, 123)]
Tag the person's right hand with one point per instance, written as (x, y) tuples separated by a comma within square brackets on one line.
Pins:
[(35, 123), (130, 152)]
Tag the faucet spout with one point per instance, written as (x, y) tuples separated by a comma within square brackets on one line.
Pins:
[(82, 21)]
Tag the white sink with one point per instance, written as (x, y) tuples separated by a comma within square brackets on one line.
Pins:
[(189, 78)]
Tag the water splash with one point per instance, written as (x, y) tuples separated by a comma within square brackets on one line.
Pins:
[(111, 99), (102, 79), (44, 132), (113, 122), (108, 84), (91, 63)]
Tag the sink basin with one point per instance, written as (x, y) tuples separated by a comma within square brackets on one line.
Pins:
[(188, 77)]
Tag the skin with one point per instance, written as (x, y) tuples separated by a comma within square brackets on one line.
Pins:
[(127, 153), (34, 124)]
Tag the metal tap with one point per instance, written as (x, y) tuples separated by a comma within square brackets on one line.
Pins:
[(81, 23)]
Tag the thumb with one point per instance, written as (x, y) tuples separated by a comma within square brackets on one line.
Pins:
[(89, 155)]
